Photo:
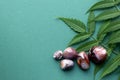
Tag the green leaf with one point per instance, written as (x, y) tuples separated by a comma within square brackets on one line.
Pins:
[(115, 37), (101, 33), (74, 24), (102, 5), (91, 24), (108, 14), (79, 37), (117, 1), (119, 77), (113, 26), (97, 69), (87, 45), (111, 66)]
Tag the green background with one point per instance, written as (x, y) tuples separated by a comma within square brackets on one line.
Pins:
[(30, 34)]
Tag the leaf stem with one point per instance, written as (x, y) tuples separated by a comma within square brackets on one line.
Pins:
[(115, 52)]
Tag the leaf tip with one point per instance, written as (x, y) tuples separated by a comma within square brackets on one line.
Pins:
[(59, 18), (87, 11)]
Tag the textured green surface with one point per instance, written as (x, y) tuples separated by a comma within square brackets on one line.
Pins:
[(30, 33)]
